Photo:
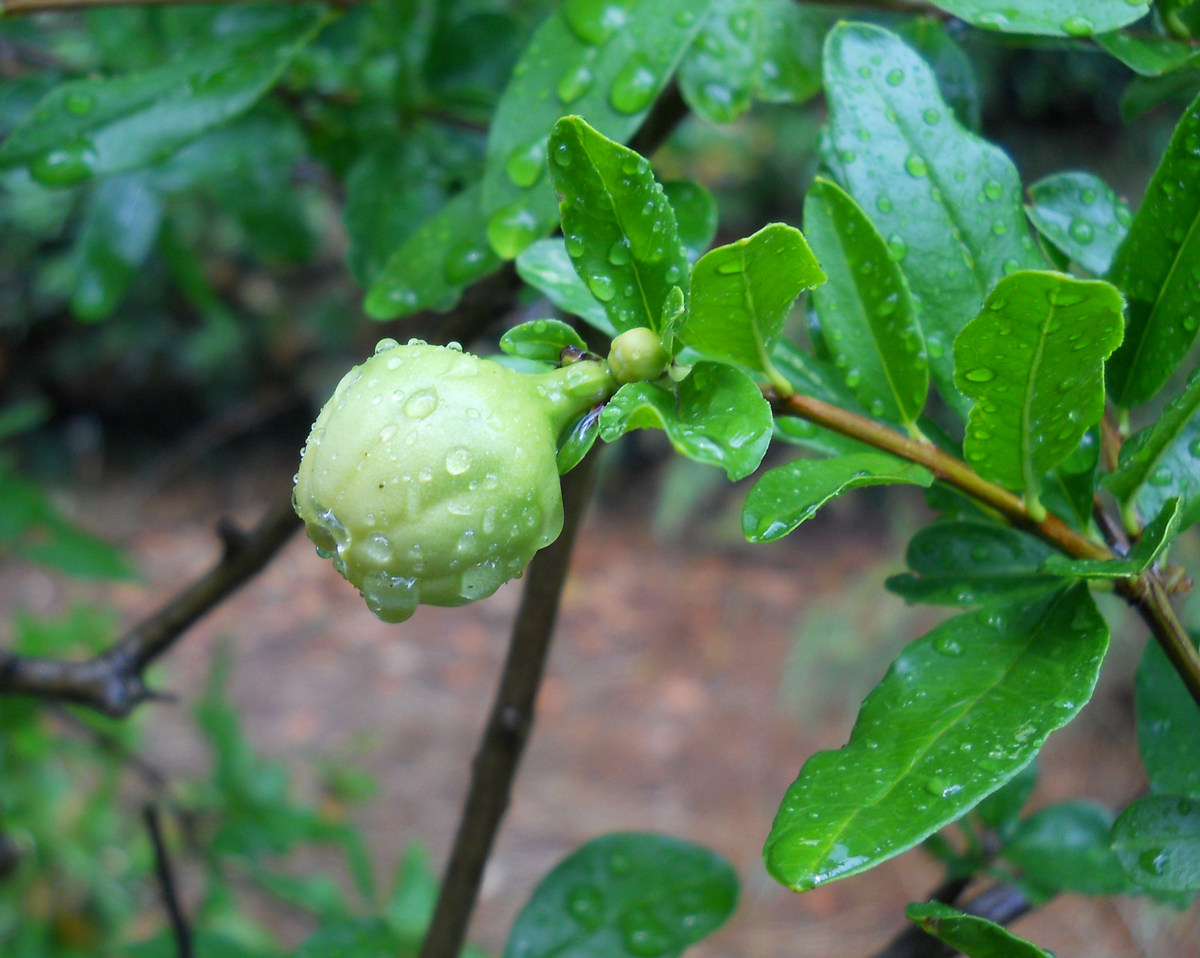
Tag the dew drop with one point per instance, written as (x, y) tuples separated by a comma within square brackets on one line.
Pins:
[(1078, 26), (594, 21), (67, 165), (420, 404), (1081, 231), (618, 253), (458, 461), (585, 904), (916, 166), (465, 262), (634, 86), (511, 229), (526, 164), (79, 103), (980, 374), (602, 287), (384, 345), (574, 84)]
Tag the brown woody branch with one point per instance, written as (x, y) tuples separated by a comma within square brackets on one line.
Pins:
[(112, 682)]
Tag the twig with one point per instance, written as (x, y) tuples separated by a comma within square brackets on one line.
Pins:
[(1144, 592), (166, 882), (25, 7), (112, 681), (508, 727), (1002, 904)]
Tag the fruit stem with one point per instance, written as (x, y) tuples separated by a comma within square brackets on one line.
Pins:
[(575, 388)]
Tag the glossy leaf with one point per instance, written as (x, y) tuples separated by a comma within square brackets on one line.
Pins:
[(547, 267), (606, 60), (969, 934), (973, 562), (1157, 841), (541, 339), (741, 294), (792, 493), (351, 938), (1069, 18), (1032, 360), (865, 310), (1168, 726), (790, 67), (1067, 847), (720, 72), (959, 713), (102, 126), (1156, 268), (954, 72), (578, 440), (1001, 810), (1146, 55), (620, 229), (719, 417), (120, 225), (1163, 460), (695, 215), (625, 894), (1081, 216), (435, 263), (947, 202), (1154, 539)]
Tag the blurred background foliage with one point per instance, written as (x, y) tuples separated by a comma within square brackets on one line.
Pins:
[(217, 294)]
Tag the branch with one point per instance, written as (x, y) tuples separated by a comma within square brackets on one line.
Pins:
[(508, 726), (166, 882), (1145, 592), (12, 8), (112, 682)]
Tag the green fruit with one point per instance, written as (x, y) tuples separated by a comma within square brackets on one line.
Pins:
[(430, 474), (637, 355)]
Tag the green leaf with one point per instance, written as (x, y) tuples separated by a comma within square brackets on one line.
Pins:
[(1032, 359), (947, 202), (742, 293), (720, 73), (1155, 538), (1067, 18), (98, 127), (547, 267), (1001, 809), (607, 61), (955, 75), (1155, 268), (1163, 460), (410, 905), (1168, 726), (620, 230), (1067, 847), (719, 417), (790, 67), (1081, 216), (865, 310), (973, 562), (430, 269), (792, 493), (959, 713), (626, 894), (542, 340), (1157, 841), (1145, 93), (578, 440), (352, 938), (120, 224), (695, 214), (973, 936), (1146, 55)]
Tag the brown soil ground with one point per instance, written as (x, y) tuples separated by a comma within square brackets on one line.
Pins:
[(689, 681)]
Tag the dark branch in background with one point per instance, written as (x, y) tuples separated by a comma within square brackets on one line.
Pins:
[(112, 682), (1002, 904), (508, 726), (166, 882)]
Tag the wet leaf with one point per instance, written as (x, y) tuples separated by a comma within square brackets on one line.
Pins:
[(959, 713), (1144, 54), (1070, 18), (1168, 726), (951, 66), (1001, 810), (1157, 841), (742, 293), (1067, 847), (578, 440), (1081, 216), (969, 934), (974, 562), (547, 267), (789, 495), (432, 267), (1157, 268), (695, 215), (626, 894), (619, 228), (1163, 460), (607, 60), (541, 339), (120, 224), (1032, 360), (947, 202), (98, 127), (1155, 538), (719, 417), (720, 73), (865, 310)]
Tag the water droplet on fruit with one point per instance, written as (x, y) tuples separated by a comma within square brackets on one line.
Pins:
[(458, 461), (420, 404)]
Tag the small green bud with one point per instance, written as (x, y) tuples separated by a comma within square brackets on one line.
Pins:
[(637, 355)]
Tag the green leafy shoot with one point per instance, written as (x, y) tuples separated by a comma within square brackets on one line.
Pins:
[(969, 934), (542, 340)]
